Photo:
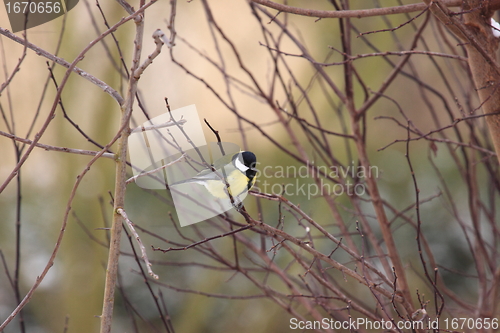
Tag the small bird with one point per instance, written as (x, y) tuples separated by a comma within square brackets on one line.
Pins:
[(238, 170)]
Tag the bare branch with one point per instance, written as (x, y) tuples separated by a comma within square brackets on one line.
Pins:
[(55, 148), (351, 13), (130, 225), (105, 87)]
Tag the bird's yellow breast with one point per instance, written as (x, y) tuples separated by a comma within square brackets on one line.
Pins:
[(237, 186)]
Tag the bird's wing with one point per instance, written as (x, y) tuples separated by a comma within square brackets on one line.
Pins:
[(204, 175), (207, 173)]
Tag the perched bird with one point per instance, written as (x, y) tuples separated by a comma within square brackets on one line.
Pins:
[(238, 170)]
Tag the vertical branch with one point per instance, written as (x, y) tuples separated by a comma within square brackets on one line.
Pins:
[(120, 182), (385, 226), (486, 74), (481, 48), (357, 118), (17, 269), (20, 160), (432, 281)]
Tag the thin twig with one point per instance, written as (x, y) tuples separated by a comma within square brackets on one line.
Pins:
[(144, 256), (39, 51), (134, 178), (202, 241), (56, 148), (158, 126), (416, 7), (157, 36)]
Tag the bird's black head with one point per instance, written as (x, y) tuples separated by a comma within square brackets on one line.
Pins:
[(249, 161)]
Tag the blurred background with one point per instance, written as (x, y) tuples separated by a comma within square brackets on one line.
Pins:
[(225, 61)]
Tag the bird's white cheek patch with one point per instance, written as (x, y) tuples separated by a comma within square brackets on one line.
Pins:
[(242, 167)]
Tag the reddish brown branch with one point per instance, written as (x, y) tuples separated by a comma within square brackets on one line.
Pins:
[(352, 13)]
